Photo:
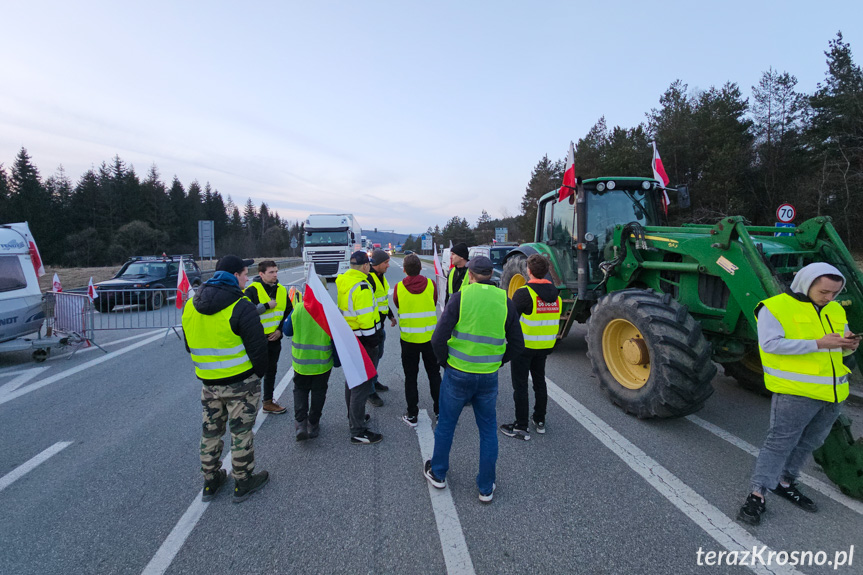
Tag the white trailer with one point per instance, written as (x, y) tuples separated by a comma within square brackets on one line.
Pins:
[(330, 239)]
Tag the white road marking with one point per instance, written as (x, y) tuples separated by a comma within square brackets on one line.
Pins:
[(716, 524), (64, 374), (108, 343), (31, 464), (455, 551), (21, 379), (181, 531), (813, 482)]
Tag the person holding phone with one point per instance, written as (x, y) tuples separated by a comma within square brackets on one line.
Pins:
[(803, 336)]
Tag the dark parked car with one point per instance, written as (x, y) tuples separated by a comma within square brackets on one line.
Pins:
[(140, 280), (408, 252), (495, 253)]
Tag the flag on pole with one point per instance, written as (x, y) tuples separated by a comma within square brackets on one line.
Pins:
[(660, 175), (357, 365), (438, 274), (91, 290), (24, 229), (57, 286), (568, 187), (183, 286)]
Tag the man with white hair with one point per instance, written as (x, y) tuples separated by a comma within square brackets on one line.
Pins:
[(802, 336)]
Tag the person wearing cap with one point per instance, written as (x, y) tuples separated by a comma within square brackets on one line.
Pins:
[(380, 262), (802, 337), (271, 301), (415, 298), (477, 332), (356, 300), (538, 305), (229, 349), (457, 278)]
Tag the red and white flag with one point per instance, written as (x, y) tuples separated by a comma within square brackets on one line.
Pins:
[(24, 229), (356, 364), (438, 272), (568, 187), (91, 290), (183, 286), (56, 285), (660, 175)]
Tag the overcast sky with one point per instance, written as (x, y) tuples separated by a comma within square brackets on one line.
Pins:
[(403, 113)]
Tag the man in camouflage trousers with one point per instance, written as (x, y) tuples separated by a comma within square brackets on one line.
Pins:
[(226, 340)]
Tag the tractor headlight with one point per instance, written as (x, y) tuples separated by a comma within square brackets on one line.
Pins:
[(600, 187), (645, 184), (610, 185)]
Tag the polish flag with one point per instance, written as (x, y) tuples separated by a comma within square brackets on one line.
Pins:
[(356, 364), (91, 290), (568, 187), (57, 286), (660, 175), (24, 229), (183, 286)]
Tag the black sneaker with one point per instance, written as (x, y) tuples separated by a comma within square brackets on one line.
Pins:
[(410, 420), (792, 494), (510, 430), (427, 471), (212, 486), (244, 489), (381, 387), (314, 430), (539, 426), (302, 429), (367, 437), (375, 400), (487, 497), (752, 510)]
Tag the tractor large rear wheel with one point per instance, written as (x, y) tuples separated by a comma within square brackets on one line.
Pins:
[(748, 373), (649, 354), (514, 274)]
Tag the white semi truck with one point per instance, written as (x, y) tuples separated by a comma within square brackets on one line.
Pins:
[(330, 239)]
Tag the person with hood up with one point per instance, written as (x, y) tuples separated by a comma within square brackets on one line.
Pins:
[(538, 305), (457, 279), (802, 337), (415, 298), (229, 349)]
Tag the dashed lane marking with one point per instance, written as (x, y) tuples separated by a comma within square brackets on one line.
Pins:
[(716, 524), (31, 464)]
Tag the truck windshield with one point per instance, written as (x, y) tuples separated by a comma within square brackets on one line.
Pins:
[(141, 269), (327, 238)]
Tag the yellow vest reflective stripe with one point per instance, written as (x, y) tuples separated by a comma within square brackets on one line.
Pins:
[(272, 317), (417, 315), (478, 341), (821, 374), (451, 277), (540, 327), (382, 294), (216, 350), (311, 347), (357, 304)]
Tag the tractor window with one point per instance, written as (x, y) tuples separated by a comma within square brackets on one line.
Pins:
[(563, 222), (544, 221), (608, 209)]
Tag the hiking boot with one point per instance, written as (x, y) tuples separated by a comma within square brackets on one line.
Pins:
[(375, 400), (427, 471), (792, 494), (486, 498), (212, 486), (410, 420), (752, 510), (243, 489), (367, 437), (510, 430), (314, 429), (539, 426), (381, 387), (302, 429), (273, 408)]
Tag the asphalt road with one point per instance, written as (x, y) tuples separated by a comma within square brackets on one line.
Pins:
[(99, 473)]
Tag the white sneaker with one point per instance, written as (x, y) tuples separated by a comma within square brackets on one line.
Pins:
[(488, 498)]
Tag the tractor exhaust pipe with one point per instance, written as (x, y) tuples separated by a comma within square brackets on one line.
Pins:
[(581, 230)]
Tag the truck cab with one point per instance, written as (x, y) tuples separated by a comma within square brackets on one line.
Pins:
[(330, 239)]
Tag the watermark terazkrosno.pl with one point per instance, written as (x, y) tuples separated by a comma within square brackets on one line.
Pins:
[(764, 556)]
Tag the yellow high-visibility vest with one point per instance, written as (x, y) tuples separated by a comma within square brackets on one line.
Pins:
[(272, 317), (417, 315), (357, 304), (540, 327), (478, 341), (216, 350)]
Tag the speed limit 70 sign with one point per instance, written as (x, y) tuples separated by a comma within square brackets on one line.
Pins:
[(786, 213)]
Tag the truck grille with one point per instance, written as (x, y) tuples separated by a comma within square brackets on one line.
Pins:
[(326, 261)]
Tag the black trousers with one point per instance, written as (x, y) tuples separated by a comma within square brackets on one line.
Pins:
[(356, 398), (304, 385), (274, 350), (531, 361), (411, 353)]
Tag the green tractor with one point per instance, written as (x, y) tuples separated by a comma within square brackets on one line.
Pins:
[(665, 304)]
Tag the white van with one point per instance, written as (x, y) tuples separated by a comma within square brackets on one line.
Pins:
[(20, 297)]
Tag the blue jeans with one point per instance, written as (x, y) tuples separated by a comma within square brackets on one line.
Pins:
[(798, 426), (457, 389)]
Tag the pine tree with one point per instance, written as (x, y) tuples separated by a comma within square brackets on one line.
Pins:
[(546, 176), (28, 199), (5, 211)]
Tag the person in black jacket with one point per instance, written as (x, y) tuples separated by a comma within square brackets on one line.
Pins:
[(230, 373)]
